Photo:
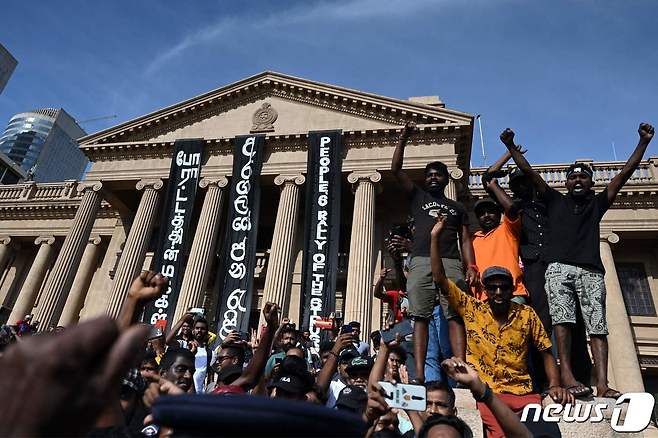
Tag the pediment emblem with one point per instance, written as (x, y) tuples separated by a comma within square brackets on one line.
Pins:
[(264, 118)]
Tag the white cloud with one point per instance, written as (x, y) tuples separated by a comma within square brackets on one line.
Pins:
[(350, 10)]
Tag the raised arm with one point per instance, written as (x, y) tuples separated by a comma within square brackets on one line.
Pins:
[(504, 200), (253, 372), (507, 137), (171, 336), (149, 285), (378, 288), (438, 273), (508, 420), (398, 158), (468, 255), (646, 134), (328, 370)]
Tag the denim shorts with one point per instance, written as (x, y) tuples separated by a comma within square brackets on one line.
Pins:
[(566, 283)]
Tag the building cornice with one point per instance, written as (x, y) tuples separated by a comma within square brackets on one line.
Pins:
[(332, 97)]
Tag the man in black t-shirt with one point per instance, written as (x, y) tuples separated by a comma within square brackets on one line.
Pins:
[(427, 203), (575, 270)]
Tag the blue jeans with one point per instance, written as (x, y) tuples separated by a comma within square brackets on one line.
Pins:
[(438, 346)]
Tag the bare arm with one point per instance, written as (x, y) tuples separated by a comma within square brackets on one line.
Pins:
[(495, 167), (398, 158), (504, 200), (253, 372), (171, 336), (468, 256), (149, 285), (646, 134), (379, 368), (378, 288), (329, 368), (438, 273), (507, 137)]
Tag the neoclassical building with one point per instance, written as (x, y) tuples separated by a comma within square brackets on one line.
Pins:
[(69, 250)]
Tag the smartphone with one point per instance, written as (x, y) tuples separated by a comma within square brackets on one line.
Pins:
[(346, 329), (197, 311), (401, 396), (404, 328), (155, 333), (244, 336)]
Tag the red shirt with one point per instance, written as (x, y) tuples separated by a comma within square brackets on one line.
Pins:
[(393, 298)]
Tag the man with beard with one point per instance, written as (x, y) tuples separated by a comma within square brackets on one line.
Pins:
[(427, 203), (499, 332), (575, 270)]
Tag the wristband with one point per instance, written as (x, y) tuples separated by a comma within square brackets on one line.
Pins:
[(474, 266), (486, 397), (331, 352)]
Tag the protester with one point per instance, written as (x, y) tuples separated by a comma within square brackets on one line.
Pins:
[(499, 332), (333, 377), (203, 354), (362, 347), (181, 333), (575, 271), (426, 204)]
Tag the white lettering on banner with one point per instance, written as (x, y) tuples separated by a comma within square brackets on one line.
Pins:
[(638, 412), (188, 169), (321, 231), (241, 222)]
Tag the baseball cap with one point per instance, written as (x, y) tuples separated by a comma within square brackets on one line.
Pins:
[(359, 363), (485, 202), (516, 173), (496, 271), (290, 383), (580, 168), (352, 398), (347, 354), (273, 361)]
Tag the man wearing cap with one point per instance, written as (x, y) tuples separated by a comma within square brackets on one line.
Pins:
[(575, 271), (427, 203), (499, 332)]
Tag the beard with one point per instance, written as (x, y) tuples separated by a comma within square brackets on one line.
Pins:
[(499, 308)]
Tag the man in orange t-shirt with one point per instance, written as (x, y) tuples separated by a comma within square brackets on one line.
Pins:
[(497, 244)]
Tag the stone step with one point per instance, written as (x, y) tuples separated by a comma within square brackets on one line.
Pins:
[(467, 411)]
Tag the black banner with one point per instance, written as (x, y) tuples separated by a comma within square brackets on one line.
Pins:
[(174, 239), (239, 252), (321, 228)]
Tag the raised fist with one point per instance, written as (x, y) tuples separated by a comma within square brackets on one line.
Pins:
[(148, 286), (507, 137), (408, 129), (271, 314), (646, 132)]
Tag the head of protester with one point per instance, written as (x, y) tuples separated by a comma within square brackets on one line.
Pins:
[(499, 284), (520, 185), (579, 181), (177, 366), (200, 329), (488, 213), (436, 177)]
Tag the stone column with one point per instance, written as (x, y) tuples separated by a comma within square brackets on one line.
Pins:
[(32, 284), (202, 252), (76, 298), (451, 190), (279, 272), (621, 348), (358, 300), (136, 243), (4, 251), (66, 266)]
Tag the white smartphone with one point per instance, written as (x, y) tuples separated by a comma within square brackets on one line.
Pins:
[(401, 396)]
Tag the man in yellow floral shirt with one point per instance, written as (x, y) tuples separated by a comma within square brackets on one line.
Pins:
[(498, 333)]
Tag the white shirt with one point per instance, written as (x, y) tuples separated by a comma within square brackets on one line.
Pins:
[(201, 365), (335, 387)]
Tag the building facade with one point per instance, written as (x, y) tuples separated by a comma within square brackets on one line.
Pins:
[(10, 172), (7, 66), (43, 143), (69, 250)]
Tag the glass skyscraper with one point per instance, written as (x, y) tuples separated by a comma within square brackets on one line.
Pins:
[(43, 143)]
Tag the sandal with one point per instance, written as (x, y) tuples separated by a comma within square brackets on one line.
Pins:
[(579, 390), (610, 393)]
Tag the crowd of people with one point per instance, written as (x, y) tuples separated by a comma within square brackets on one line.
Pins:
[(468, 310)]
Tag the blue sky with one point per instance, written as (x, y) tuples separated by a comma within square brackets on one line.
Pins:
[(570, 77)]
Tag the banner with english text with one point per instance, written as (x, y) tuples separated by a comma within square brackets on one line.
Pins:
[(321, 229), (174, 239), (238, 255)]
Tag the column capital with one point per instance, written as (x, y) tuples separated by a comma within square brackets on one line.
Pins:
[(91, 186), (48, 240), (456, 173), (364, 175), (297, 179), (95, 240), (609, 237), (219, 181), (5, 240), (155, 184)]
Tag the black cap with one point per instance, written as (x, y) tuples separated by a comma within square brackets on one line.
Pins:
[(496, 271), (347, 354), (359, 363), (485, 202), (229, 374), (290, 383), (352, 398), (516, 173)]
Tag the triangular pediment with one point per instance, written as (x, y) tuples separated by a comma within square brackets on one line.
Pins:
[(299, 105)]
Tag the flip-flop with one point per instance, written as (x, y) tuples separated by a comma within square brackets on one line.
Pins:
[(610, 393), (584, 391)]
